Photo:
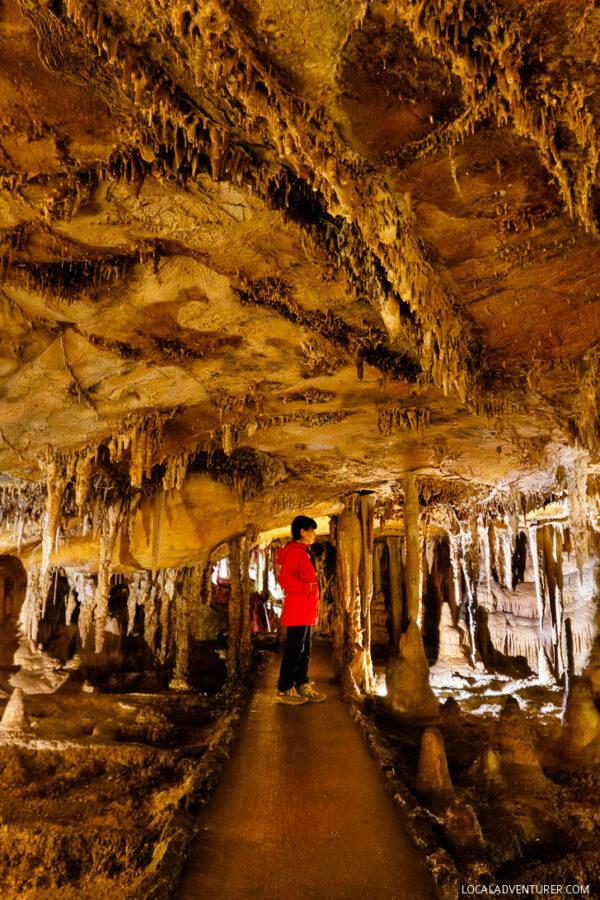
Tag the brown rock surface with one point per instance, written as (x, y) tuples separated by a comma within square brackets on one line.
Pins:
[(433, 775), (407, 677)]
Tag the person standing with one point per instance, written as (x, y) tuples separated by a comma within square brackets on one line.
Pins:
[(298, 579)]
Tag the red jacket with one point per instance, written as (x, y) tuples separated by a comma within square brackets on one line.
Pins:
[(295, 576)]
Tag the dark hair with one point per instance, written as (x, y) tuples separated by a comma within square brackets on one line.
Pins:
[(301, 522)]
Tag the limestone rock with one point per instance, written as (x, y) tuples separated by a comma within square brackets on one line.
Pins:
[(512, 735), (407, 678), (581, 719), (450, 710), (433, 775), (487, 768), (545, 674), (14, 717), (591, 673), (452, 646), (461, 825)]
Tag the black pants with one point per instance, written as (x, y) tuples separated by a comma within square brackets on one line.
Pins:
[(296, 657)]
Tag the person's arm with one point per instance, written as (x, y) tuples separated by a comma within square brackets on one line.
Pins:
[(289, 576)]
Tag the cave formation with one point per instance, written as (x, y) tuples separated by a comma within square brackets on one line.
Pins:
[(262, 259)]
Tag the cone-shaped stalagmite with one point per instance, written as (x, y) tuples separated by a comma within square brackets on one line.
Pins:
[(433, 775), (407, 678), (517, 753), (581, 719), (14, 717)]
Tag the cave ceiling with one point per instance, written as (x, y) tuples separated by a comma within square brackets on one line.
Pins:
[(360, 238)]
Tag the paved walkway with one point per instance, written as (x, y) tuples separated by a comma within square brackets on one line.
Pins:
[(301, 810)]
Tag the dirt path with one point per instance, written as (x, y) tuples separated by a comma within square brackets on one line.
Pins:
[(301, 810)]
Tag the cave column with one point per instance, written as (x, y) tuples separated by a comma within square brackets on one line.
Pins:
[(264, 589), (413, 551), (239, 641), (409, 693), (188, 598), (347, 620), (363, 662), (396, 583), (179, 680)]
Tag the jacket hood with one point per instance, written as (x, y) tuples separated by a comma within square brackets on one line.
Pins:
[(289, 548)]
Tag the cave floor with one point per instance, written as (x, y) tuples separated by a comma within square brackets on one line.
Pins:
[(301, 810)]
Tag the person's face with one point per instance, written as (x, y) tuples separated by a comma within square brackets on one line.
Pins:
[(308, 535)]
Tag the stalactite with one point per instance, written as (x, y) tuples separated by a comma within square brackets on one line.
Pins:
[(56, 479), (108, 537), (506, 554), (469, 559), (38, 585), (552, 555), (539, 587), (83, 476), (151, 591), (139, 588), (454, 545), (159, 502), (84, 587), (167, 582), (484, 544)]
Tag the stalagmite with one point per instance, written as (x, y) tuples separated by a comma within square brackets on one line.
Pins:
[(580, 720), (487, 768), (452, 649), (461, 825), (511, 733), (545, 674), (409, 693), (433, 776), (14, 717)]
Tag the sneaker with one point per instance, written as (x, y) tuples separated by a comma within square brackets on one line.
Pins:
[(292, 697), (307, 690)]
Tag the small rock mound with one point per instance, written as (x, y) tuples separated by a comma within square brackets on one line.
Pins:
[(14, 717)]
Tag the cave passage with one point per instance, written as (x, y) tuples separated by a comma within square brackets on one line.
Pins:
[(321, 824), (270, 258)]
